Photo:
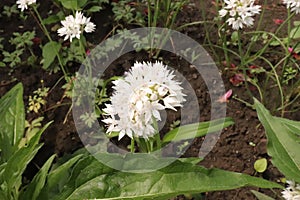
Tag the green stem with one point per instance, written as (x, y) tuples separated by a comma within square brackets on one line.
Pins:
[(257, 29), (288, 41), (132, 146), (243, 66), (224, 45), (157, 136), (44, 29), (278, 82)]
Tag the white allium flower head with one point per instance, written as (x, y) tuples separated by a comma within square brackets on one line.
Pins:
[(23, 4), (74, 26), (240, 12), (137, 99), (292, 192), (294, 5)]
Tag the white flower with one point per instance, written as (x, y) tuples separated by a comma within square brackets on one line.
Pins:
[(73, 27), (293, 4), (137, 99), (240, 12), (23, 4), (292, 192)]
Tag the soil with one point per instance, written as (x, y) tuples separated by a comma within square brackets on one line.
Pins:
[(234, 150)]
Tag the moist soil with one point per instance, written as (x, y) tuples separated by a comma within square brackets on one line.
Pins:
[(238, 147)]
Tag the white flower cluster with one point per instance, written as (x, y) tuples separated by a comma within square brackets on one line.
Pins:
[(241, 12), (73, 27), (292, 192), (145, 90), (23, 4), (293, 4)]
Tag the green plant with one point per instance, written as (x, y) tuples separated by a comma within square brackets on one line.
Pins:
[(260, 165), (163, 13), (22, 43), (36, 101), (10, 10), (289, 74), (15, 152), (127, 12), (283, 142), (89, 179)]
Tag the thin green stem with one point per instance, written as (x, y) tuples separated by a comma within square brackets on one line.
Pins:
[(243, 65), (44, 29), (149, 13), (157, 136), (278, 82), (224, 45), (132, 145), (252, 42)]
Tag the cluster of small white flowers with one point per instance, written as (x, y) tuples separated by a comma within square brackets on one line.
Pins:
[(241, 12), (23, 4), (292, 192), (73, 27), (293, 4), (145, 90)]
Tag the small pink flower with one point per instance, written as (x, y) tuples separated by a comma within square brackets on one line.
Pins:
[(225, 97), (278, 21), (237, 79), (294, 54), (88, 52)]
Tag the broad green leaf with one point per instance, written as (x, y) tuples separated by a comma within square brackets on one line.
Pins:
[(12, 121), (260, 165), (295, 32), (261, 196), (17, 163), (191, 160), (296, 23), (282, 145), (54, 18), (2, 168), (50, 51), (58, 177), (35, 186), (95, 9), (91, 179), (293, 126), (192, 131), (73, 4)]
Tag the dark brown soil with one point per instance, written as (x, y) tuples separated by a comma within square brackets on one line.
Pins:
[(232, 152)]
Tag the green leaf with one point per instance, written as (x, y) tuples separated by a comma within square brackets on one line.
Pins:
[(282, 144), (91, 179), (296, 23), (295, 32), (73, 4), (18, 162), (293, 126), (95, 9), (192, 131), (50, 51), (12, 121), (261, 196), (2, 64), (260, 165), (34, 188), (54, 18), (57, 178)]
